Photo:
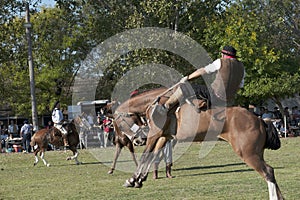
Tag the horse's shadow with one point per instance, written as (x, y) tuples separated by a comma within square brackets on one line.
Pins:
[(215, 172), (81, 163), (214, 166)]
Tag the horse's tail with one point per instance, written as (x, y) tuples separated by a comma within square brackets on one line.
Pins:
[(32, 142), (272, 136)]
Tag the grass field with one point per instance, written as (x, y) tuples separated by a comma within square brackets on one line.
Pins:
[(220, 175)]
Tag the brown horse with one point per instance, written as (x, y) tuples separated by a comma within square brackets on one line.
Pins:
[(129, 123), (53, 136), (247, 134)]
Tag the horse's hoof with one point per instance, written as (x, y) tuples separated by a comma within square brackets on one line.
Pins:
[(110, 172), (34, 164), (68, 158), (48, 165), (138, 184), (128, 184)]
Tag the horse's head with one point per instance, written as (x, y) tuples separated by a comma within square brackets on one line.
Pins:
[(82, 122), (111, 107), (124, 123), (70, 126)]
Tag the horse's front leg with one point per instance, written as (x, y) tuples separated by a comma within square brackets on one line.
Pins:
[(75, 155), (135, 180), (131, 149), (148, 149), (147, 158), (117, 153)]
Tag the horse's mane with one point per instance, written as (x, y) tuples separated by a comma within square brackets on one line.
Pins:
[(145, 93), (143, 97)]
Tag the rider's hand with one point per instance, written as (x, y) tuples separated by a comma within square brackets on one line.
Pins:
[(184, 79)]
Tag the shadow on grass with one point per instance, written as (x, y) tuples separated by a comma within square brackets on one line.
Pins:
[(215, 166), (88, 163), (220, 172), (211, 166)]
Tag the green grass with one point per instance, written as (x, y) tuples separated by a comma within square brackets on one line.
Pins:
[(220, 175)]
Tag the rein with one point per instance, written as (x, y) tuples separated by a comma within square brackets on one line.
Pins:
[(162, 94)]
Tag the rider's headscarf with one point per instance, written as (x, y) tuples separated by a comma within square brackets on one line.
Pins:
[(55, 105)]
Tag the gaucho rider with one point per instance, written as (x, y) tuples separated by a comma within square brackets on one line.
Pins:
[(57, 118), (229, 78)]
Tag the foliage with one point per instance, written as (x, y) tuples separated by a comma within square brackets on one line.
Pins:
[(268, 64), (266, 34)]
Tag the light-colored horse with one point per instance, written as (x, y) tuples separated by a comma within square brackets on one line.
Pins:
[(129, 122)]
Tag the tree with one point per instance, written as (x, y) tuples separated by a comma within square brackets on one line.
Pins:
[(245, 26), (266, 33)]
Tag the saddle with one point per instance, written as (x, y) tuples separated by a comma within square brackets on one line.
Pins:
[(193, 98)]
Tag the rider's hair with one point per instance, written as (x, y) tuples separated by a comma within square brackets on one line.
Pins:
[(55, 105)]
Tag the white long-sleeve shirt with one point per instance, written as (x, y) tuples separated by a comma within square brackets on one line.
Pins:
[(57, 116)]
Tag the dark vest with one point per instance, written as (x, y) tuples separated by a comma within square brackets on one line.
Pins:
[(228, 79)]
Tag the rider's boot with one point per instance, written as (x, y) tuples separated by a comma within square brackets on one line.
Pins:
[(159, 114), (66, 143), (173, 99), (168, 170), (65, 137), (155, 171)]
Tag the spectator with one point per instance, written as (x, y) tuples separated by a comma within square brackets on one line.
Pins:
[(25, 133), (251, 109), (99, 127), (90, 119), (83, 133), (277, 113), (108, 131), (267, 115), (286, 113), (295, 115), (167, 154), (262, 110), (4, 136), (13, 130)]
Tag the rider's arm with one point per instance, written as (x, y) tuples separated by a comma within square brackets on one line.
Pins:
[(197, 73), (213, 67)]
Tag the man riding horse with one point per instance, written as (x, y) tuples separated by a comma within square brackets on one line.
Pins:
[(229, 78), (248, 140), (57, 118)]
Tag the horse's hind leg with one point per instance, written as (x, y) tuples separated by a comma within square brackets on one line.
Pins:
[(267, 172), (42, 155), (36, 157)]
